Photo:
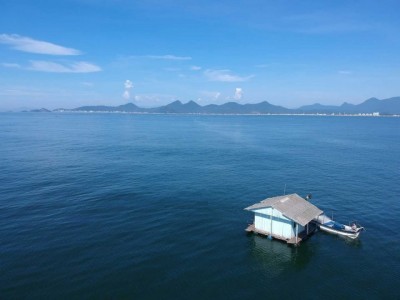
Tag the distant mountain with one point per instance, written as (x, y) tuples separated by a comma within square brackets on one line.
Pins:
[(386, 106), (40, 110), (317, 108), (389, 106), (129, 107), (236, 108), (92, 108), (178, 107)]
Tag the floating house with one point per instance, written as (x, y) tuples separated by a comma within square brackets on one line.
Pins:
[(286, 218)]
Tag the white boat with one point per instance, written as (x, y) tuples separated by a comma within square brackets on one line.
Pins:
[(327, 224)]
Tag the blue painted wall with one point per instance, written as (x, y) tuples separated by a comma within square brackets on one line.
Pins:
[(281, 225)]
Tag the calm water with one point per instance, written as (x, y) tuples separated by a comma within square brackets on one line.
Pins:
[(151, 206)]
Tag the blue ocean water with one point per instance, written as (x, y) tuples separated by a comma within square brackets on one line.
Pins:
[(151, 206)]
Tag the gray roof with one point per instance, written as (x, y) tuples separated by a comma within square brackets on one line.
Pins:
[(291, 206)]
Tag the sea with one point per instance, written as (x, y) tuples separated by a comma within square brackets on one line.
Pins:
[(129, 206)]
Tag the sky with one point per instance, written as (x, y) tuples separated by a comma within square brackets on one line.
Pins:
[(69, 53)]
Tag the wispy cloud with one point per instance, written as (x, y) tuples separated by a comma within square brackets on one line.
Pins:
[(11, 65), (74, 67), (195, 68), (27, 44), (225, 76), (168, 57), (344, 72), (53, 67), (21, 91)]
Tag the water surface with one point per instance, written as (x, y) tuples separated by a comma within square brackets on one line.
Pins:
[(151, 206)]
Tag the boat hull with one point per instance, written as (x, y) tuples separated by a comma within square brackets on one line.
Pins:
[(349, 234)]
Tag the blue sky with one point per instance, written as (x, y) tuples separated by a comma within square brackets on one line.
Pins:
[(69, 53)]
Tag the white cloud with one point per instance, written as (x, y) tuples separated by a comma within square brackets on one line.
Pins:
[(126, 95), (169, 57), (195, 68), (27, 44), (238, 93), (224, 76), (52, 67), (128, 84)]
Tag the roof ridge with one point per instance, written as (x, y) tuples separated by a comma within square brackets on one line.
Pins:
[(295, 207)]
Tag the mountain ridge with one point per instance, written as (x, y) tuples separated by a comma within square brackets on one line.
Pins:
[(389, 106)]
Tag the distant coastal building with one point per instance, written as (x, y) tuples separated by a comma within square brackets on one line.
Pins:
[(285, 217)]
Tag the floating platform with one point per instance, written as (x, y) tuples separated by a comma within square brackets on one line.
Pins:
[(287, 218), (292, 241)]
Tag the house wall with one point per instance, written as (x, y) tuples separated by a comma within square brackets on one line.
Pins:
[(281, 225)]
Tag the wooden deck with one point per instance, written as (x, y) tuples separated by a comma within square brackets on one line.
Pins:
[(301, 237)]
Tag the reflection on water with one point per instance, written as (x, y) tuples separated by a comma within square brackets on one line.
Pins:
[(355, 243), (276, 256)]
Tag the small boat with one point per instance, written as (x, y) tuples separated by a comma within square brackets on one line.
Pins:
[(327, 224)]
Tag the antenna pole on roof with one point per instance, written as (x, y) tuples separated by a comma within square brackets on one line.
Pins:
[(284, 190)]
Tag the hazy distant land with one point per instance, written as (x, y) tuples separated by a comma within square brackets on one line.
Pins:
[(390, 106)]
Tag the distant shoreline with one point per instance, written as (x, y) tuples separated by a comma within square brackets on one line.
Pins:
[(370, 107), (219, 114)]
